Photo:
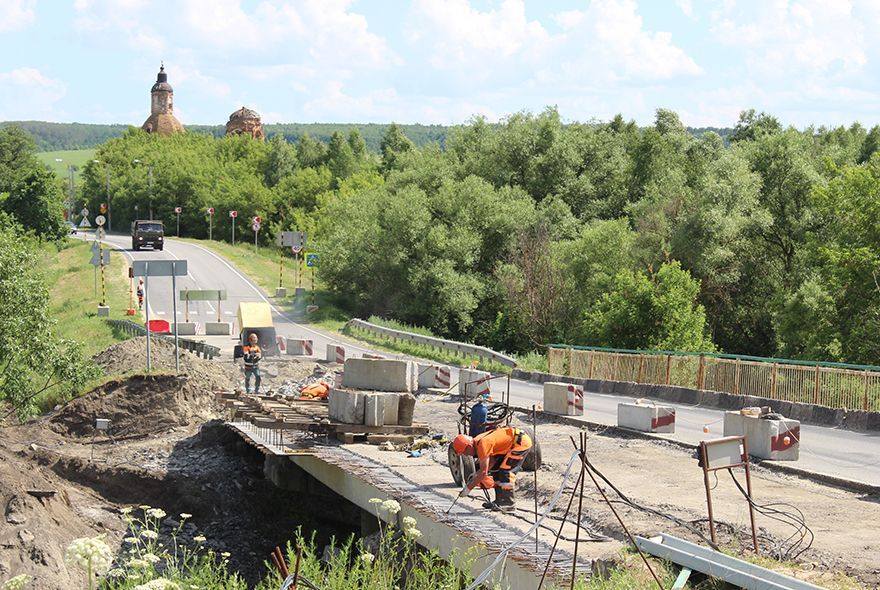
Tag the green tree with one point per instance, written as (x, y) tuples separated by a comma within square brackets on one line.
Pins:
[(340, 158), (310, 152), (753, 125), (394, 144), (33, 360), (280, 162)]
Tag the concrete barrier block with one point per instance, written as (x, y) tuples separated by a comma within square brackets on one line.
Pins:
[(777, 440), (391, 403), (374, 409), (565, 399), (218, 328), (426, 375), (646, 417), (472, 383), (346, 406), (299, 347), (380, 374), (185, 329), (280, 292), (734, 424), (442, 377), (103, 311), (335, 353)]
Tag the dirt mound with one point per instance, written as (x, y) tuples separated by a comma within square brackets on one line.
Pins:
[(130, 356)]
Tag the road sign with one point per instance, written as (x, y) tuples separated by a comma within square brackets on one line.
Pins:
[(233, 213), (160, 268), (292, 238), (296, 249), (202, 295), (255, 226), (178, 210), (96, 258), (85, 222), (103, 208), (84, 212), (311, 259), (95, 246), (100, 220), (100, 234), (258, 219), (210, 210)]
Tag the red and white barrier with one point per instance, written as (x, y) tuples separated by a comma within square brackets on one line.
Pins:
[(442, 377), (473, 383), (335, 353), (777, 440), (565, 399), (299, 347), (646, 417), (575, 400), (282, 344)]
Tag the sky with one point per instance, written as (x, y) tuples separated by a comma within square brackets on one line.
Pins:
[(807, 62)]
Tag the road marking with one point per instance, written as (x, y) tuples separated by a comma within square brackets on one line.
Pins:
[(160, 312), (227, 312), (266, 300)]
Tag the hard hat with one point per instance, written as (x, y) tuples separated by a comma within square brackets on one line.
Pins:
[(252, 337), (461, 442)]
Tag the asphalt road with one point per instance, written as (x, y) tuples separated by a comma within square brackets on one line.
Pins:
[(841, 453)]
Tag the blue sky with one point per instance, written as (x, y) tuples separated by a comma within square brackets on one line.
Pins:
[(442, 61)]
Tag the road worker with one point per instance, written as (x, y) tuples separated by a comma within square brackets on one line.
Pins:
[(140, 294), (500, 453), (479, 416), (252, 356)]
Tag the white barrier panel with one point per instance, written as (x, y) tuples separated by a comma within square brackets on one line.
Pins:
[(646, 417)]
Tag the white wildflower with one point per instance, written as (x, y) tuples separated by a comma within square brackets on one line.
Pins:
[(138, 563), (390, 506), (89, 552), (185, 515), (375, 500), (152, 558), (116, 572), (200, 539), (144, 507), (151, 535), (156, 513), (412, 533), (131, 540), (226, 554), (17, 583), (158, 584), (367, 557), (126, 510), (409, 522)]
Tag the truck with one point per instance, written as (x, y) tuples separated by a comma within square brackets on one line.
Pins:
[(147, 232), (255, 317)]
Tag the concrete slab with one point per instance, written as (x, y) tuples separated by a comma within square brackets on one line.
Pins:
[(185, 329), (379, 374), (374, 409), (103, 311), (346, 406), (218, 328), (299, 347), (778, 440), (427, 375)]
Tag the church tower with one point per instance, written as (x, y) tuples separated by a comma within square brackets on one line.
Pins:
[(162, 119)]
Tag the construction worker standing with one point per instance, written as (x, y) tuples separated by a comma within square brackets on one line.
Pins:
[(500, 453), (252, 357)]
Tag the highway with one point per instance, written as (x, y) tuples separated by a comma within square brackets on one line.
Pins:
[(840, 453)]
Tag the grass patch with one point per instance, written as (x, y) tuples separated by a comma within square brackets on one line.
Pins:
[(78, 158)]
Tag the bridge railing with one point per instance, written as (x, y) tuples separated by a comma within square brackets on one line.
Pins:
[(196, 347), (450, 345), (836, 385)]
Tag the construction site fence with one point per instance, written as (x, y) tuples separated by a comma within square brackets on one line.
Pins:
[(196, 347), (462, 348), (835, 385)]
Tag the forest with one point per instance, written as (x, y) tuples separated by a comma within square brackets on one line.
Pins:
[(531, 231)]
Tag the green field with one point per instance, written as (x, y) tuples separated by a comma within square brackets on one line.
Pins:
[(78, 158)]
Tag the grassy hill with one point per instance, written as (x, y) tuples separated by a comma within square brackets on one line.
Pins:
[(77, 158)]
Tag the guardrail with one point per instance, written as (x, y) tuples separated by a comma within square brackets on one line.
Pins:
[(835, 385), (196, 347), (450, 345)]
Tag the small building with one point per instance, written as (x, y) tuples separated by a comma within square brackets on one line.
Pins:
[(162, 119), (245, 121)]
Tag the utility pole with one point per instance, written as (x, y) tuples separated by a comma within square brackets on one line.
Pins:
[(150, 181), (109, 224)]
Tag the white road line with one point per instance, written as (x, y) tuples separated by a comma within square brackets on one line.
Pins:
[(263, 297)]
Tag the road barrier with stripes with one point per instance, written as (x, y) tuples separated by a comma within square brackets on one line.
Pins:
[(450, 345), (202, 349), (835, 385)]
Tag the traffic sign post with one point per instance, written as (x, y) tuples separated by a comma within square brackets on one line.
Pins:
[(233, 215), (311, 259), (210, 223), (178, 210), (161, 268), (256, 227), (295, 240)]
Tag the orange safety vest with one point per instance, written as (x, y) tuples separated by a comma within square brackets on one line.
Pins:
[(255, 350), (500, 446), (319, 389)]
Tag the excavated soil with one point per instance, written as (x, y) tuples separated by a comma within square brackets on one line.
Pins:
[(60, 479)]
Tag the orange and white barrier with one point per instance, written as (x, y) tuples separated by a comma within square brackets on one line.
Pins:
[(565, 399)]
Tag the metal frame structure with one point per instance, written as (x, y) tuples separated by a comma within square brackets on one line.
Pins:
[(724, 460)]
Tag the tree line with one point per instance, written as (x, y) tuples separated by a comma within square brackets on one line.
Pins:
[(532, 231)]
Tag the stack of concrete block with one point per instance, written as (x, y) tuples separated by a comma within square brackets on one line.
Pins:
[(372, 408), (335, 353), (380, 374), (299, 347), (646, 417), (777, 440), (473, 383), (565, 399)]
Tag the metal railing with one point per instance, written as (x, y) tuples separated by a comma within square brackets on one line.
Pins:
[(450, 345), (196, 347), (835, 385)]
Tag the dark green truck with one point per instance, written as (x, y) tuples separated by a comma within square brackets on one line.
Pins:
[(147, 233)]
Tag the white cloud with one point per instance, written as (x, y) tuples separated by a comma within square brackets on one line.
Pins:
[(29, 94), (104, 21), (17, 14), (687, 7)]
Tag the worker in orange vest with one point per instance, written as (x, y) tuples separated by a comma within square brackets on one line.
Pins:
[(252, 357), (501, 453)]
